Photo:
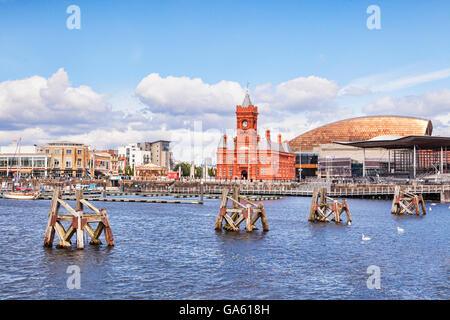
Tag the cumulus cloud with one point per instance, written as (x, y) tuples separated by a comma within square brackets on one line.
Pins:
[(40, 101), (299, 94), (190, 113), (186, 96), (183, 95)]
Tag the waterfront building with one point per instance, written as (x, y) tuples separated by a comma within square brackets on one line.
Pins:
[(134, 155), (149, 171), (321, 142), (408, 156), (114, 169), (68, 159), (29, 160), (141, 153), (248, 156), (100, 163), (161, 155)]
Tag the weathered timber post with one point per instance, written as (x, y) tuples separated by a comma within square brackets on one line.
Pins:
[(80, 222), (242, 209), (407, 202), (321, 209)]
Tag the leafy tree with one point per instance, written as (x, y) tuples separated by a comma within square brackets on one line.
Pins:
[(198, 172), (185, 168)]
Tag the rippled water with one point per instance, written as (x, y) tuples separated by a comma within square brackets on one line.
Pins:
[(171, 251)]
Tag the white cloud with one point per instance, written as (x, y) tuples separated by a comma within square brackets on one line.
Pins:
[(299, 94), (41, 110), (428, 104), (40, 101), (186, 96)]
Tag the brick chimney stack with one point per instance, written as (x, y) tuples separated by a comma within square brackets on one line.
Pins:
[(279, 138)]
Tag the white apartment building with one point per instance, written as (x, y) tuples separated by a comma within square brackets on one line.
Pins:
[(134, 155)]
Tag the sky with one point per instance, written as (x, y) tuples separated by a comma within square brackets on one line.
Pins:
[(175, 70)]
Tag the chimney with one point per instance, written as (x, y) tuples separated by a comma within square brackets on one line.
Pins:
[(268, 134), (225, 139), (257, 138), (279, 138)]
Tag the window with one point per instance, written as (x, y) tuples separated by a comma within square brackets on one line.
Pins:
[(69, 151), (79, 162), (56, 151), (26, 162), (68, 163), (39, 162), (56, 163), (79, 151)]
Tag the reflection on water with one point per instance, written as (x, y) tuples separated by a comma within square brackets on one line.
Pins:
[(168, 251)]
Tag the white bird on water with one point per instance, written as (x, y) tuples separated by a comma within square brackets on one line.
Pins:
[(400, 230), (364, 238)]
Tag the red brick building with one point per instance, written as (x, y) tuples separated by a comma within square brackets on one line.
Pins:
[(248, 156)]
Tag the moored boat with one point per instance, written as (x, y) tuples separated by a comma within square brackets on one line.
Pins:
[(21, 195)]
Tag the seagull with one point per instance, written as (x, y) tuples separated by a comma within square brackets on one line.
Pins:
[(363, 238), (433, 204), (400, 230), (349, 223), (429, 209)]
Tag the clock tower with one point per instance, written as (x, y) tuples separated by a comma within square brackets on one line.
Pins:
[(247, 117)]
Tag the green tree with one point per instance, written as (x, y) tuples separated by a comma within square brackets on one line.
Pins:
[(198, 172), (185, 168)]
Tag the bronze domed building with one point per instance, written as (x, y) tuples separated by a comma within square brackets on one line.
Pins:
[(359, 129), (317, 155)]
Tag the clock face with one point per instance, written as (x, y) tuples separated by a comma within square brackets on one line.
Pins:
[(244, 124)]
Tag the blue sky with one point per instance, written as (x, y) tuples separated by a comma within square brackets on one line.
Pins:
[(120, 43)]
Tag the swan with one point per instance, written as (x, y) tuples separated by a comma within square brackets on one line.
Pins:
[(364, 238), (400, 230)]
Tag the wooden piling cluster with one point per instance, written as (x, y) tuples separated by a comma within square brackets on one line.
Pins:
[(242, 209), (407, 202), (79, 222), (322, 207)]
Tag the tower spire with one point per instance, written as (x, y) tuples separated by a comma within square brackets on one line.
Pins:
[(247, 102)]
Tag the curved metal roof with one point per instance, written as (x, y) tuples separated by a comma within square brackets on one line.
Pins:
[(360, 129), (421, 142)]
